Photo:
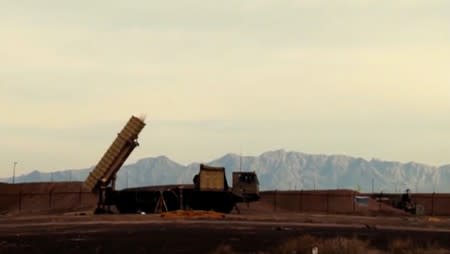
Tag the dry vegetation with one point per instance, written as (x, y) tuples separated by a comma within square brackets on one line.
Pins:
[(305, 244), (409, 247), (341, 245)]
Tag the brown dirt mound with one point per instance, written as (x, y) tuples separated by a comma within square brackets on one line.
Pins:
[(189, 214)]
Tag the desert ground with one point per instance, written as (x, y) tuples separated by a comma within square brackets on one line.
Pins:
[(84, 233), (57, 218)]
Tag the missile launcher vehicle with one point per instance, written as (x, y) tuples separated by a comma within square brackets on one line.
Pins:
[(209, 191)]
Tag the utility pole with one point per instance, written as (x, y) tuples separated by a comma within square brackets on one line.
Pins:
[(126, 177), (14, 172), (373, 185), (240, 163), (315, 178), (436, 184), (240, 158)]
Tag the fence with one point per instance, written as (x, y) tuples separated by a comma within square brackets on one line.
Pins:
[(45, 198), (343, 202), (433, 204), (65, 197), (309, 201), (45, 202)]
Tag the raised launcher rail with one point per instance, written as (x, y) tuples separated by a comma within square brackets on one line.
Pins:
[(102, 178)]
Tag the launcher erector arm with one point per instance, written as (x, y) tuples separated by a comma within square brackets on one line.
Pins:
[(105, 171)]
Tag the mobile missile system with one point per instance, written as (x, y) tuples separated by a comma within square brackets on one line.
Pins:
[(209, 191)]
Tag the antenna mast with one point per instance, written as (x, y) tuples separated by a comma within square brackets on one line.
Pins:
[(240, 159)]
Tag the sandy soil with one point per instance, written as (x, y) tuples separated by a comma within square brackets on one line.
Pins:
[(153, 234), (57, 223)]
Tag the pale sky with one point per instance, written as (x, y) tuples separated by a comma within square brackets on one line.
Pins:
[(358, 77)]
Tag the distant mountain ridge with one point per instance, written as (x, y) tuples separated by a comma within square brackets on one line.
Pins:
[(281, 170)]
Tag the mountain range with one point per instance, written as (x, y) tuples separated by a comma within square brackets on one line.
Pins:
[(278, 170)]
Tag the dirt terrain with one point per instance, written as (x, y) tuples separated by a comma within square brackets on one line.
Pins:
[(154, 234), (57, 218)]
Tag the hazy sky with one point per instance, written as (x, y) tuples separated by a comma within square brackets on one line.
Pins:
[(362, 78)]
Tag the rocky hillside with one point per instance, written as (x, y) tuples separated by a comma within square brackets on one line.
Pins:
[(280, 170)]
